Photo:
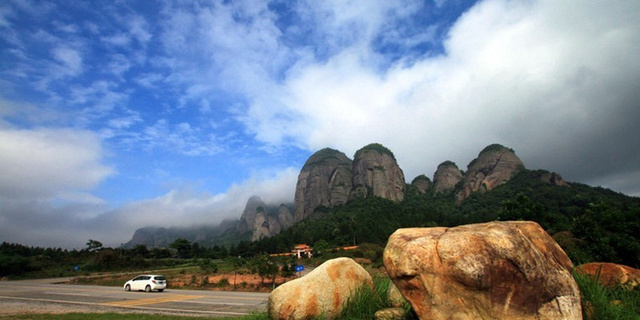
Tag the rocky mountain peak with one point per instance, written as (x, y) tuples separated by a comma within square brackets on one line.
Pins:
[(422, 183), (446, 177), (249, 214), (494, 166), (325, 180), (376, 173), (262, 220)]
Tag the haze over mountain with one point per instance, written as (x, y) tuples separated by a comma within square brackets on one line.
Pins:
[(329, 179), (119, 115)]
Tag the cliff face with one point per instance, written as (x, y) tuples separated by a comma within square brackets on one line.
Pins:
[(250, 213), (376, 173), (494, 166), (325, 180), (422, 183), (446, 177), (257, 219), (267, 225)]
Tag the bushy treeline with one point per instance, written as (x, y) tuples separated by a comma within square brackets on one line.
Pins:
[(20, 260)]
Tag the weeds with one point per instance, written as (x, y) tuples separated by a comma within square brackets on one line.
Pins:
[(610, 303)]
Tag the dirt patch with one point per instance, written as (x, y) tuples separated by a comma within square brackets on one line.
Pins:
[(226, 282)]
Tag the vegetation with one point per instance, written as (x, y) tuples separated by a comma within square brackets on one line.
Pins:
[(324, 155), (601, 302), (374, 147)]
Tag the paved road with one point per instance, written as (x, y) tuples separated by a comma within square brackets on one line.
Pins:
[(221, 303)]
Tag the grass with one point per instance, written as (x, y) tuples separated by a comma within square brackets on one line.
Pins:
[(610, 303)]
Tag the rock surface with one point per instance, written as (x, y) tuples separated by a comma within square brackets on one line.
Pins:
[(390, 314), (250, 213), (395, 296), (257, 220), (322, 292), (376, 173), (325, 180), (494, 166), (422, 183), (553, 179), (611, 274), (497, 270), (446, 177)]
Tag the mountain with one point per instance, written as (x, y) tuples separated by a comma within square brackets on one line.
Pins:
[(376, 173), (154, 237), (494, 166), (262, 221), (325, 180), (446, 177), (366, 199)]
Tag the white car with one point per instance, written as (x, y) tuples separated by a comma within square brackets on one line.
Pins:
[(147, 282)]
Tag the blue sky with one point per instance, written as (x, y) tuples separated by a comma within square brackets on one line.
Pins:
[(115, 115)]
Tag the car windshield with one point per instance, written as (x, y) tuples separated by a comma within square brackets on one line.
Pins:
[(159, 278)]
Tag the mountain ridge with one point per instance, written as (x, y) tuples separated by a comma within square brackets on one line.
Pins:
[(326, 184)]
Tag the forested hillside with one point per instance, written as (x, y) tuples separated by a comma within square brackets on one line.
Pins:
[(591, 224)]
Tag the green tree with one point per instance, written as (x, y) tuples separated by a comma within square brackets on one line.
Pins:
[(94, 245), (182, 247), (235, 262)]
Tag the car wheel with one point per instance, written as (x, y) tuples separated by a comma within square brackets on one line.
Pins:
[(160, 290), (147, 288), (127, 288)]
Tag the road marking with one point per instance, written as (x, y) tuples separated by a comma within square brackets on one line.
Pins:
[(231, 313), (70, 294), (219, 303), (155, 300)]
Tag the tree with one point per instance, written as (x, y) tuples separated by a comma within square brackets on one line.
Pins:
[(235, 262), (94, 245), (182, 247)]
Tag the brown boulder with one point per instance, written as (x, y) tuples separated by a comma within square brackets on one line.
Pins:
[(322, 292), (390, 314), (611, 274), (497, 270), (395, 296)]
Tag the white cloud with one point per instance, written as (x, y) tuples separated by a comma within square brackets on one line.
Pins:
[(70, 60), (539, 77), (44, 163), (188, 207)]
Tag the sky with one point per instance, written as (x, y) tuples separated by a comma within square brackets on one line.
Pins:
[(116, 115)]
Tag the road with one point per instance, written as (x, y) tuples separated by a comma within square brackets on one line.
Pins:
[(188, 302)]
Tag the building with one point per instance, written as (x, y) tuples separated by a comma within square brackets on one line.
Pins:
[(302, 249)]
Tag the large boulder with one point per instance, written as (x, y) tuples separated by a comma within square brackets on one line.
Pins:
[(376, 173), (323, 292), (611, 274), (494, 166), (446, 177), (325, 180), (496, 270)]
